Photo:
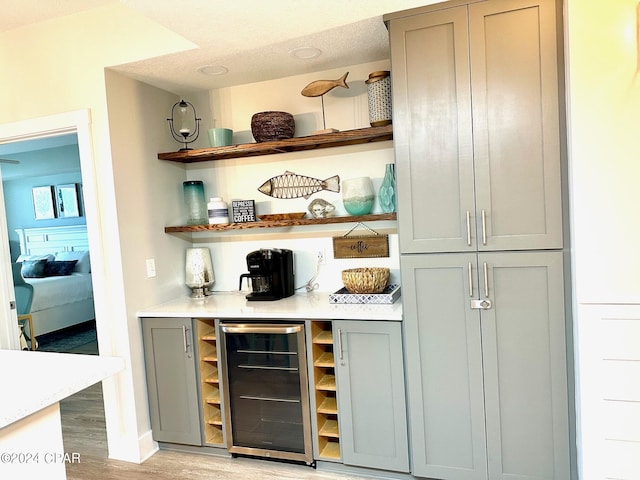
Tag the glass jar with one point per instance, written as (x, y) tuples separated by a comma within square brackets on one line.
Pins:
[(218, 211), (358, 195), (195, 202)]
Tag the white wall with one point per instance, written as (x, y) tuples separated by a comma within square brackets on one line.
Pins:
[(238, 179), (603, 101), (58, 68)]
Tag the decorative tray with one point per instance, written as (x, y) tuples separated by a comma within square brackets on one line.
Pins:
[(389, 295)]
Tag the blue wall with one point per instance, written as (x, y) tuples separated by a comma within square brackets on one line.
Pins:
[(19, 202)]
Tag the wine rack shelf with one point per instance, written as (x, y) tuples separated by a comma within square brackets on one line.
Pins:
[(210, 382), (325, 391)]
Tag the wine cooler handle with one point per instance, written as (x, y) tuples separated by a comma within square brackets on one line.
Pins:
[(260, 328), (340, 343)]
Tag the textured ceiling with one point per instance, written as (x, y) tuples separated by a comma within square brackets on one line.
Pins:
[(251, 38)]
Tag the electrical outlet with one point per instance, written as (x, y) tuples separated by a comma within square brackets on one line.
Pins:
[(320, 257), (151, 268)]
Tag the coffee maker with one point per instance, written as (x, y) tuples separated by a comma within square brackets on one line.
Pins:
[(271, 274)]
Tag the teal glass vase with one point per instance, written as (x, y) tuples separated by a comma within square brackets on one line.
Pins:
[(387, 192), (196, 205)]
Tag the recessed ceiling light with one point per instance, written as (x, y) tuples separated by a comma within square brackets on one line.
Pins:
[(213, 69), (305, 53)]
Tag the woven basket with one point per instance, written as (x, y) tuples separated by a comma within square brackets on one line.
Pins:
[(269, 126), (365, 280)]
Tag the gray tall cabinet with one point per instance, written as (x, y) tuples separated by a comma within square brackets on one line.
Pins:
[(478, 163)]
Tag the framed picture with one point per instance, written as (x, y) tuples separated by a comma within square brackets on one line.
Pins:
[(68, 200), (43, 204)]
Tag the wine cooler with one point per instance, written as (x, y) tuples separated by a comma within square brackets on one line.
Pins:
[(267, 394)]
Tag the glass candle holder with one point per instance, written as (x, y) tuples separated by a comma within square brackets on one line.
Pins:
[(195, 202), (199, 271), (358, 195)]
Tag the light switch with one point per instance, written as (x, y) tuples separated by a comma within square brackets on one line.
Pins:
[(151, 268)]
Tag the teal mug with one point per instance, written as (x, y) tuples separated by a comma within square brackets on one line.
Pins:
[(220, 137)]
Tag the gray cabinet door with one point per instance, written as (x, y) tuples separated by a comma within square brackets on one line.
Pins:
[(516, 128), (432, 131), (371, 394), (525, 369), (171, 380), (503, 367), (476, 127), (444, 366)]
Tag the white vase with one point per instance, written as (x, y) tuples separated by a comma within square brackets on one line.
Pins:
[(358, 195)]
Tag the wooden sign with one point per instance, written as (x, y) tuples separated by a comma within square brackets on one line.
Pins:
[(243, 211), (366, 246)]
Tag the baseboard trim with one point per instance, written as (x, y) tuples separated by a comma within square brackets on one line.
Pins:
[(147, 447)]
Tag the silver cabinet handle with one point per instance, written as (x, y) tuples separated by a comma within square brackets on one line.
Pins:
[(340, 343), (184, 338), (470, 281), (484, 227), (468, 228), (486, 279)]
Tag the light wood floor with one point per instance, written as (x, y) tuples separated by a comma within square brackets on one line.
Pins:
[(83, 430)]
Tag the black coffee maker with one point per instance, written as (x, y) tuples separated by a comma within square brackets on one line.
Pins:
[(271, 274)]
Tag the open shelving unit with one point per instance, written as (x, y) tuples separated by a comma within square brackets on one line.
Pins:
[(324, 376), (210, 382)]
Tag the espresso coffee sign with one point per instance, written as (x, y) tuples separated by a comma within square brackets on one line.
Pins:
[(366, 246), (243, 211)]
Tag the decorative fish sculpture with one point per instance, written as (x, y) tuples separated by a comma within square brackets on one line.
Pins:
[(320, 87), (291, 185)]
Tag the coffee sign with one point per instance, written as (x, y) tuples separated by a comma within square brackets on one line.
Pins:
[(367, 246), (243, 211)]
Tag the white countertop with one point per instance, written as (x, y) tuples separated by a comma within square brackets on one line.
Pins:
[(305, 306), (32, 381)]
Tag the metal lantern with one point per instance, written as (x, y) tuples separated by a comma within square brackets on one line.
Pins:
[(184, 125)]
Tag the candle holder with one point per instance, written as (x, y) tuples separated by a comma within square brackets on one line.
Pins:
[(199, 272), (183, 117)]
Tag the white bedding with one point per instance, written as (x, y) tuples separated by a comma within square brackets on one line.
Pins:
[(60, 290)]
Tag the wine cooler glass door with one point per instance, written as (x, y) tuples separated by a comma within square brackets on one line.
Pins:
[(267, 389)]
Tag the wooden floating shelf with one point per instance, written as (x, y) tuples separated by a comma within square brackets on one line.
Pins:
[(374, 217), (297, 144), (209, 338), (210, 358)]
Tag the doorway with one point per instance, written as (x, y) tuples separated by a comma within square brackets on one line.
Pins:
[(78, 124)]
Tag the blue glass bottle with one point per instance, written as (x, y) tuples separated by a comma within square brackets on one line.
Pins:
[(195, 202), (387, 192)]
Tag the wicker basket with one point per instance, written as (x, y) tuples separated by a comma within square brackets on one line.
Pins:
[(365, 280), (268, 126)]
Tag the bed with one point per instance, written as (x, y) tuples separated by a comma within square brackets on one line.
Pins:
[(63, 295)]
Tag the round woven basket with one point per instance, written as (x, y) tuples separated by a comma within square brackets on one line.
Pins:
[(365, 280), (269, 126)]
